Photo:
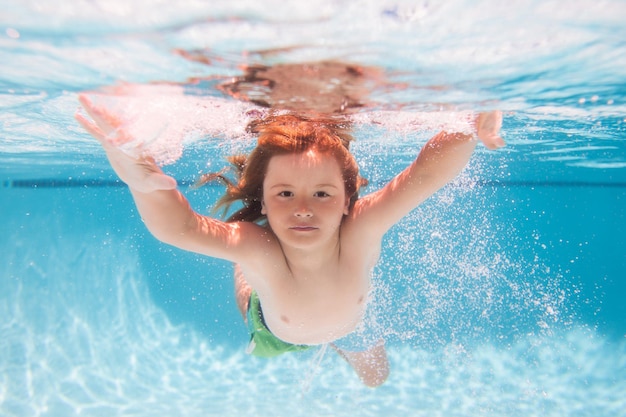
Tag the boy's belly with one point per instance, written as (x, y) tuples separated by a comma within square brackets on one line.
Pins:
[(314, 326)]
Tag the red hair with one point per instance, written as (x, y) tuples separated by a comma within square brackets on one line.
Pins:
[(281, 135)]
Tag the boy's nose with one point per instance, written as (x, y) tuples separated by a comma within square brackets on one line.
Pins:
[(304, 213), (303, 210)]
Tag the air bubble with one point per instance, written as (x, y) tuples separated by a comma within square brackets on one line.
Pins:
[(12, 33)]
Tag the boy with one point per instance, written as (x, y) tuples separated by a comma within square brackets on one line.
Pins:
[(303, 276)]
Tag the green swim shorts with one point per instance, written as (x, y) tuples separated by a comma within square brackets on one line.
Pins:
[(263, 343)]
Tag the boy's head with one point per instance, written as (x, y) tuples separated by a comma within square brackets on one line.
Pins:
[(289, 134)]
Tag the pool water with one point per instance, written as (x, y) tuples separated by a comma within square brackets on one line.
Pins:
[(501, 295)]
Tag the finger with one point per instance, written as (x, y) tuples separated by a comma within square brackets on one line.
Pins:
[(96, 132), (494, 142), (104, 120), (89, 126)]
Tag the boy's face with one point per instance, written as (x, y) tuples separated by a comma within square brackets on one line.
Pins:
[(304, 198)]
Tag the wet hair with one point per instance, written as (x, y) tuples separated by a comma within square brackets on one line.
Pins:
[(282, 135)]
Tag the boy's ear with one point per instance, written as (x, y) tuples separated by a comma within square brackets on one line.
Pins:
[(263, 211), (346, 208)]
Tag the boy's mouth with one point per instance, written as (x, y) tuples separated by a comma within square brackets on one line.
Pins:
[(303, 228)]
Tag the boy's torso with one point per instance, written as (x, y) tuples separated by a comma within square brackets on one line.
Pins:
[(316, 306)]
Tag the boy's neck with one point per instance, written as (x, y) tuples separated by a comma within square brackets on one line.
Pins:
[(303, 262)]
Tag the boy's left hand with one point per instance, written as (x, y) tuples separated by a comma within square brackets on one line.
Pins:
[(488, 126)]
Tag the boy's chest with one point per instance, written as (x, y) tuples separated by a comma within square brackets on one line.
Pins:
[(316, 309)]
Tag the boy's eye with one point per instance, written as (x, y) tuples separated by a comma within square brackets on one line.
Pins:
[(285, 194), (322, 194)]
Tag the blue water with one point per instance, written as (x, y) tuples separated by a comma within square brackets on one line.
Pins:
[(500, 296)]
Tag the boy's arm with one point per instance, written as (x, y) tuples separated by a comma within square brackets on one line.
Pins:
[(440, 160), (164, 210)]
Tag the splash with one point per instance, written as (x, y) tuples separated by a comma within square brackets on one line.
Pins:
[(156, 120), (453, 272)]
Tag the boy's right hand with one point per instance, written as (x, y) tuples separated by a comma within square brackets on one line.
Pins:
[(140, 174)]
